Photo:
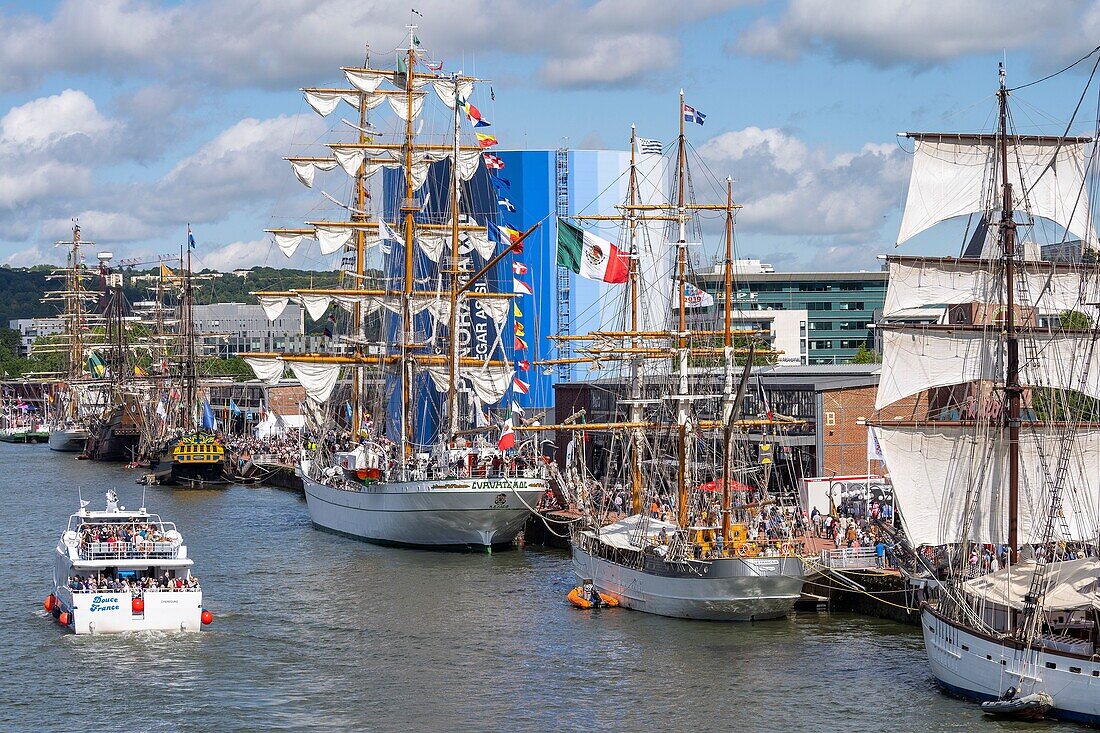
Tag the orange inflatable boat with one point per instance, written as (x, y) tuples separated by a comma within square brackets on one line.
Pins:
[(578, 598)]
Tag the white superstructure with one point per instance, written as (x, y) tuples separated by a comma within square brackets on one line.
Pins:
[(118, 570)]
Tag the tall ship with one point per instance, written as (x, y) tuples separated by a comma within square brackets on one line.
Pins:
[(181, 437), (422, 330), (999, 482), (690, 546)]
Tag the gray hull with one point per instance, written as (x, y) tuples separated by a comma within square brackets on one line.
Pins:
[(731, 589), (446, 513), (68, 440)]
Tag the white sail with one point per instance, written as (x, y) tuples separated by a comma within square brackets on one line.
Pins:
[(1051, 288), (915, 359), (268, 369), (323, 103), (332, 238), (306, 170), (489, 383), (273, 306), (366, 80), (288, 243), (947, 479), (318, 379), (951, 177), (316, 305)]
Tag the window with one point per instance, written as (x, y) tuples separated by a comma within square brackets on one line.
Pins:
[(852, 325), (852, 343), (819, 306), (812, 287), (851, 306), (821, 344), (851, 286), (771, 306), (830, 419), (821, 325)]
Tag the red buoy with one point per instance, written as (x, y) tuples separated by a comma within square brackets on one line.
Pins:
[(48, 604), (64, 618), (207, 617), (138, 604)]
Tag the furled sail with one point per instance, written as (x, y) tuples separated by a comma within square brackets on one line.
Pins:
[(269, 369), (273, 306), (947, 479), (288, 243), (951, 176), (489, 383), (1050, 287), (306, 170), (915, 359), (318, 379), (324, 102)]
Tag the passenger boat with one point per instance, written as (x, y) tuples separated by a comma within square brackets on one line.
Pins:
[(68, 438), (435, 329), (1005, 462), (124, 570)]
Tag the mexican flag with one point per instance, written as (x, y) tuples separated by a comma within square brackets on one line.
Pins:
[(507, 439), (590, 256)]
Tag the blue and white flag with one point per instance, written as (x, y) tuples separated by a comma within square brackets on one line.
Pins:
[(233, 407), (209, 422), (506, 204), (693, 115), (499, 182), (190, 237)]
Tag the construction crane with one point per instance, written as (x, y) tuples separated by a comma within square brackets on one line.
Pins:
[(149, 260)]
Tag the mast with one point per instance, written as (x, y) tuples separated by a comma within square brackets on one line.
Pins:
[(635, 365), (1012, 372), (360, 249), (190, 372), (409, 209), (681, 267), (452, 362), (728, 344)]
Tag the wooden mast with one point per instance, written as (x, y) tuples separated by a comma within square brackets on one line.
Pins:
[(681, 267), (360, 249), (635, 366), (1012, 372), (409, 210), (728, 344), (452, 362)]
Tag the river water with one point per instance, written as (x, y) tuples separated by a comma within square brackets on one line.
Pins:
[(314, 632)]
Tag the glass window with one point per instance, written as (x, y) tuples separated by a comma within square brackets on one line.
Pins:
[(819, 306), (821, 325), (821, 344)]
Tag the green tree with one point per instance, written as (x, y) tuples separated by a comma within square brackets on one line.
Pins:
[(865, 355)]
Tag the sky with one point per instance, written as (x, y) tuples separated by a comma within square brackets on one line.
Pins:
[(138, 118)]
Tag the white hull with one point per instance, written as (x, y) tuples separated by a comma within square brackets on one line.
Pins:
[(97, 612), (732, 589), (457, 513), (68, 440), (982, 668)]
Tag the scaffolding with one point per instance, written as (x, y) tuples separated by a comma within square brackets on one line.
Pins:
[(565, 371)]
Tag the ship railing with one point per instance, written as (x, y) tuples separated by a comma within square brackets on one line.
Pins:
[(129, 550), (851, 558), (136, 591)]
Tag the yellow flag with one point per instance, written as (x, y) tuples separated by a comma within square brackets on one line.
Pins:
[(138, 371), (515, 310), (519, 329), (165, 271)]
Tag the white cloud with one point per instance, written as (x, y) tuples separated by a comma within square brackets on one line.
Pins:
[(889, 33), (240, 43), (790, 188), (239, 256)]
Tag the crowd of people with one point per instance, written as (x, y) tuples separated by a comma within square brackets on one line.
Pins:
[(136, 586), (118, 537), (284, 447)]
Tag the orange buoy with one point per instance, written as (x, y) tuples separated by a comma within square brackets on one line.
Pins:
[(138, 605), (207, 617), (48, 604), (63, 619)]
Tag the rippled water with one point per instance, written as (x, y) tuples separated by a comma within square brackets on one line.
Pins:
[(318, 632)]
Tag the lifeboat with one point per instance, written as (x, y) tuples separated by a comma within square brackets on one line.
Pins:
[(579, 599)]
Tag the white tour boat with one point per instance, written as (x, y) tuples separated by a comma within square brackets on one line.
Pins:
[(119, 570)]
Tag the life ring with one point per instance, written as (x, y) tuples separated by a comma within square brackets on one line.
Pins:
[(743, 550)]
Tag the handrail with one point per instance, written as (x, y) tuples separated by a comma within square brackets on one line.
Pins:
[(851, 558), (128, 550)]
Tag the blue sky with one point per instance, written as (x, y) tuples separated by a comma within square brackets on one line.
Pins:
[(138, 117)]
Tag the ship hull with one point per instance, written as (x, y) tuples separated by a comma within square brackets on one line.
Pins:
[(68, 440), (981, 668), (108, 612), (730, 589), (445, 514)]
